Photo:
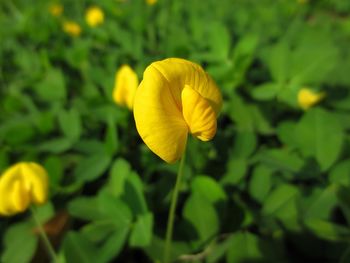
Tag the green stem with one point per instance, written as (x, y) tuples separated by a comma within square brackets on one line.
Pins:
[(171, 216), (44, 237)]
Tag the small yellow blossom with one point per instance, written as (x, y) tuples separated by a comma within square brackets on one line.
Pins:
[(72, 28), (21, 185), (56, 10), (175, 97), (94, 16), (126, 83), (151, 2), (308, 98)]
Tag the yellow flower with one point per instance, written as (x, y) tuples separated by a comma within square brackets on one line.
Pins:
[(20, 185), (175, 97), (72, 28), (126, 83), (308, 98), (56, 9), (151, 2), (94, 16)]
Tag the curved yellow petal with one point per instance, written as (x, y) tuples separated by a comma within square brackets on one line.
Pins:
[(158, 106), (158, 118), (20, 197), (198, 114), (126, 82), (7, 180), (20, 185), (180, 72), (35, 177)]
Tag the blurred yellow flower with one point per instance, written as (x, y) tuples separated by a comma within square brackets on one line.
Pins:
[(94, 16), (20, 185), (72, 28), (126, 83), (308, 98), (175, 97), (151, 2), (56, 9)]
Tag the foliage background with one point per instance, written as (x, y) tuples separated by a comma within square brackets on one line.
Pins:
[(274, 184)]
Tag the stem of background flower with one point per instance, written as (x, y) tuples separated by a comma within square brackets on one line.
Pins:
[(171, 216), (44, 237)]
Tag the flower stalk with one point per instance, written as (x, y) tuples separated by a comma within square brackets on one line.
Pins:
[(44, 237), (171, 216)]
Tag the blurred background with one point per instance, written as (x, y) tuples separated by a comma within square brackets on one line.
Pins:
[(273, 185)]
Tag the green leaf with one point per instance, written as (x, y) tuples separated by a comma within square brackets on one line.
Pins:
[(97, 231), (118, 175), (134, 195), (320, 135), (89, 146), (244, 145), (328, 230), (70, 124), (202, 215), (155, 249), (242, 57), (54, 167), (260, 183), (92, 167), (113, 245), (208, 188), (322, 204), (240, 113), (245, 247), (314, 55), (236, 171), (219, 41), (23, 130), (113, 208), (19, 244), (281, 203), (52, 87), (141, 234), (266, 91), (77, 248), (111, 138), (277, 59), (286, 134), (341, 173), (281, 159), (57, 145), (85, 208)]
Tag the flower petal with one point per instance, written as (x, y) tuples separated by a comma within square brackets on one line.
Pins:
[(180, 72), (20, 185), (308, 98), (158, 116), (126, 83), (7, 180), (198, 114), (20, 197), (36, 177), (158, 105)]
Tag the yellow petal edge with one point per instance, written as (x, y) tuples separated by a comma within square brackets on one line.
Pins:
[(175, 97), (308, 98), (20, 185), (126, 83)]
